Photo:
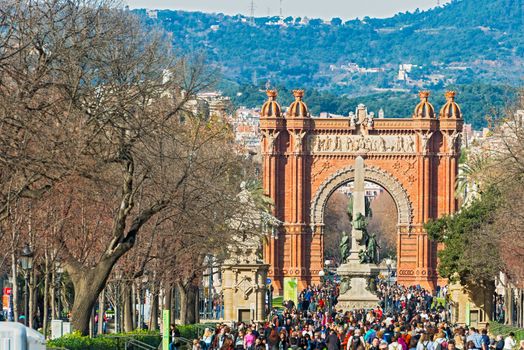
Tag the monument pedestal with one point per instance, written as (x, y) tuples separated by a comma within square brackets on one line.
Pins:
[(356, 285)]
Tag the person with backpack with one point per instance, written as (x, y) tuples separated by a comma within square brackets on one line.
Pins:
[(439, 341), (355, 340), (394, 342), (424, 343), (388, 334)]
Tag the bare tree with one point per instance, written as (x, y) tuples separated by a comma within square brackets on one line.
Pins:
[(90, 115)]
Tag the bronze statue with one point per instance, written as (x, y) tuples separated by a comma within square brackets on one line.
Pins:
[(360, 222), (372, 249), (363, 256), (345, 285), (360, 225), (344, 247)]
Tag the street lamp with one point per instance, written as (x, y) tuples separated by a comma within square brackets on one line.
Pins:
[(321, 274), (389, 263), (26, 261)]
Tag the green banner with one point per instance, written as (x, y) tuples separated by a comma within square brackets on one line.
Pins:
[(166, 320), (291, 289)]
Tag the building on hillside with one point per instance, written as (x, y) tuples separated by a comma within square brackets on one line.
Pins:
[(403, 70), (153, 14), (210, 104), (246, 126)]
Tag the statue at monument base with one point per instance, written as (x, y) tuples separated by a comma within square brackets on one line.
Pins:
[(357, 288), (359, 270)]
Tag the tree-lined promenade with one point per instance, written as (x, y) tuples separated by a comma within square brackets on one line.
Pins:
[(106, 172), (113, 185)]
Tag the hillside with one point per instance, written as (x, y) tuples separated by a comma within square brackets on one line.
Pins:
[(463, 42)]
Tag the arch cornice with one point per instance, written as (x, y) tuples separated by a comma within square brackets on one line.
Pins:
[(373, 174)]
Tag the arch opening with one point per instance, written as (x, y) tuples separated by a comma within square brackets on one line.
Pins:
[(372, 174), (382, 223)]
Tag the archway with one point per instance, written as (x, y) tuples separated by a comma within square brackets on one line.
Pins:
[(305, 159), (383, 222), (374, 175)]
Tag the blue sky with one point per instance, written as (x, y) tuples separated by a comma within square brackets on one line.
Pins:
[(345, 9)]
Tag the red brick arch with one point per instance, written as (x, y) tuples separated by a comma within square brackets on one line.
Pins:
[(305, 159), (375, 175)]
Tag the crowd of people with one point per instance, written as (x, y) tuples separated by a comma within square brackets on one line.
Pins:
[(406, 318)]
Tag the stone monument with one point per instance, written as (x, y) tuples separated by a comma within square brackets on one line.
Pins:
[(359, 270), (244, 286), (244, 273)]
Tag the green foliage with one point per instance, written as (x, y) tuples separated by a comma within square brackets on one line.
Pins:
[(477, 100), (470, 251), (497, 328), (465, 40), (188, 331), (75, 341)]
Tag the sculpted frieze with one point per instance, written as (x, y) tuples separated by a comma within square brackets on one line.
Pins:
[(327, 144)]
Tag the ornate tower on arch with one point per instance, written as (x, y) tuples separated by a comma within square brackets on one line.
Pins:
[(306, 159)]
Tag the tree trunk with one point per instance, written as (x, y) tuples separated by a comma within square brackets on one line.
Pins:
[(153, 321), (46, 295), (101, 309), (128, 311), (167, 299), (188, 303), (54, 313), (30, 314), (133, 306), (14, 273), (139, 301), (174, 303), (87, 285)]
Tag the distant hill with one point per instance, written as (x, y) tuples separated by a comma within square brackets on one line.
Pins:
[(486, 36), (462, 43)]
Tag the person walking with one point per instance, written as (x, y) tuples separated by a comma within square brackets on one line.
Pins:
[(510, 342), (273, 340), (333, 341), (174, 335)]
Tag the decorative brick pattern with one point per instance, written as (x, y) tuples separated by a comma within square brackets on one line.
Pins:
[(417, 164)]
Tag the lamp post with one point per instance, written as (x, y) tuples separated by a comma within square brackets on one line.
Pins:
[(26, 261), (389, 263), (321, 274)]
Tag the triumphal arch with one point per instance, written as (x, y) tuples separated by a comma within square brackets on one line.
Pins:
[(306, 158)]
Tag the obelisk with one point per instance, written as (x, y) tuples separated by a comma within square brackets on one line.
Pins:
[(355, 277), (359, 205)]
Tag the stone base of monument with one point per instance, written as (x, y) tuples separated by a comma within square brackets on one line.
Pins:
[(357, 286)]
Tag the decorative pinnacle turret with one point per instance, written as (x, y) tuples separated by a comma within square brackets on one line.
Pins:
[(298, 94), (424, 95), (450, 95), (272, 94)]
